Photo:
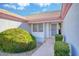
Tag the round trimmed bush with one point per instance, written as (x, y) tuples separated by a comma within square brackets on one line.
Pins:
[(58, 37), (16, 40), (61, 49)]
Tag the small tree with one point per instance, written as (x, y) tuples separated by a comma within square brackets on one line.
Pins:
[(59, 31)]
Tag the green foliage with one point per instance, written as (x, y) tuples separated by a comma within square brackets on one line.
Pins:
[(61, 49), (58, 37), (16, 40)]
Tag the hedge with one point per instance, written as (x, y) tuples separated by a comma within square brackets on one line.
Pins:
[(58, 37), (16, 40), (61, 49)]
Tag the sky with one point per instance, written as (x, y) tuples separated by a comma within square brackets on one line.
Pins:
[(25, 9)]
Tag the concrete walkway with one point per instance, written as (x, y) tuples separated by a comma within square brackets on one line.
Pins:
[(47, 49)]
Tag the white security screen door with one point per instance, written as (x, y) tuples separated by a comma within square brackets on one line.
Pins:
[(53, 29)]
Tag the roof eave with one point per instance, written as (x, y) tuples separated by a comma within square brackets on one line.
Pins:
[(64, 10), (47, 21), (11, 17)]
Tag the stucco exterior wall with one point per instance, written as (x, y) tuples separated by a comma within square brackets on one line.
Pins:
[(39, 35), (46, 34), (71, 28), (7, 24)]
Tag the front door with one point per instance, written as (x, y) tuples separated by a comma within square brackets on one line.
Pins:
[(53, 29)]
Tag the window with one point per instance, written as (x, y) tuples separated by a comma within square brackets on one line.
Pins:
[(34, 27), (38, 27)]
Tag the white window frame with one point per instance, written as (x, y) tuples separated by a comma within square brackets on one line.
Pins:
[(40, 30), (34, 28), (37, 27)]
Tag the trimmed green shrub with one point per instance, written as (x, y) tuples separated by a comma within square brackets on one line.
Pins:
[(61, 49), (58, 37), (16, 40)]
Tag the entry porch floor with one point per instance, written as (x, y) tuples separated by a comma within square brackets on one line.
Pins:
[(47, 49)]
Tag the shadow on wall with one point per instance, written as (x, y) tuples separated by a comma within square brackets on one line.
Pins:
[(40, 40), (73, 49), (24, 26), (64, 38)]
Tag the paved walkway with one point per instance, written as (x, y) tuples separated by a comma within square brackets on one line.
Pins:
[(47, 49)]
